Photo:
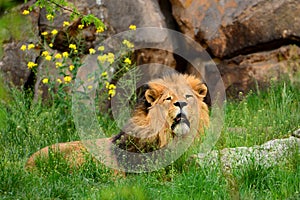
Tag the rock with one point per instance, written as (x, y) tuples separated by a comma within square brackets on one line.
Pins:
[(234, 27), (246, 72), (269, 154), (142, 14), (248, 39), (14, 61), (121, 14), (14, 64), (296, 133)]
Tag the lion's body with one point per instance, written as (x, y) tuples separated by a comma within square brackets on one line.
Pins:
[(170, 107)]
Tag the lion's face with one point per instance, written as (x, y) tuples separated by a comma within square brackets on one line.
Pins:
[(174, 102), (171, 107)]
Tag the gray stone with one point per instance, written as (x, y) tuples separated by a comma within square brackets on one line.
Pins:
[(142, 14), (271, 153)]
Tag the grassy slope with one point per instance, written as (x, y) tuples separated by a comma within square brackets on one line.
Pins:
[(258, 118)]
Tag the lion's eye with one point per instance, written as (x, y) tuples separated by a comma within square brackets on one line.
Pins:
[(168, 98), (188, 96)]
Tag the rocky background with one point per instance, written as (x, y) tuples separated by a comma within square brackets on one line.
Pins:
[(252, 42)]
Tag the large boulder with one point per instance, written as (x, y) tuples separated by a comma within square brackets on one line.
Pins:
[(245, 72), (142, 14), (234, 27), (272, 153)]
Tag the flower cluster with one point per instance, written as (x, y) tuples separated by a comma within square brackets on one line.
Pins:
[(54, 32), (80, 26), (100, 29), (127, 61), (92, 51), (101, 48), (65, 23), (25, 12), (67, 63), (50, 17), (45, 80), (110, 57), (111, 89), (58, 58), (128, 44), (24, 47), (132, 27), (31, 65)]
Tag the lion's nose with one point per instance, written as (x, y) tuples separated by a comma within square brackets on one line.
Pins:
[(180, 104)]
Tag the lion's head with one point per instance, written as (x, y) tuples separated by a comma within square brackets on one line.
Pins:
[(170, 107)]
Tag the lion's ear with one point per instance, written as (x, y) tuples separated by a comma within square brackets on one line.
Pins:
[(153, 92), (202, 90), (197, 85)]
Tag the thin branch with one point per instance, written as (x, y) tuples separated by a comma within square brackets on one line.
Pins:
[(64, 8)]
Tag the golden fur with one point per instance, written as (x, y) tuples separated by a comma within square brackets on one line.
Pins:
[(170, 106)]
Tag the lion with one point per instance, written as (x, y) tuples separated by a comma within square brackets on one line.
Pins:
[(169, 107)]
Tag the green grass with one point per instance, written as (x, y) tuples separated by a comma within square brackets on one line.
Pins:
[(26, 127)]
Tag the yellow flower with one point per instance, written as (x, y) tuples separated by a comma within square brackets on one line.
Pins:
[(92, 51), (112, 92), (111, 87), (59, 80), (128, 61), (30, 46), (106, 84), (51, 45), (58, 64), (44, 33), (72, 46), (81, 26), (67, 79), (91, 78), (104, 74), (48, 57), (71, 67), (128, 44), (50, 17), (45, 80), (90, 87), (101, 48), (100, 29), (31, 65), (54, 32), (102, 58), (25, 12), (45, 53), (58, 56), (110, 58), (132, 27), (23, 47), (65, 54), (66, 24)]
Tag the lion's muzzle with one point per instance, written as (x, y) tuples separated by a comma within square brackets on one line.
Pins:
[(181, 125)]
